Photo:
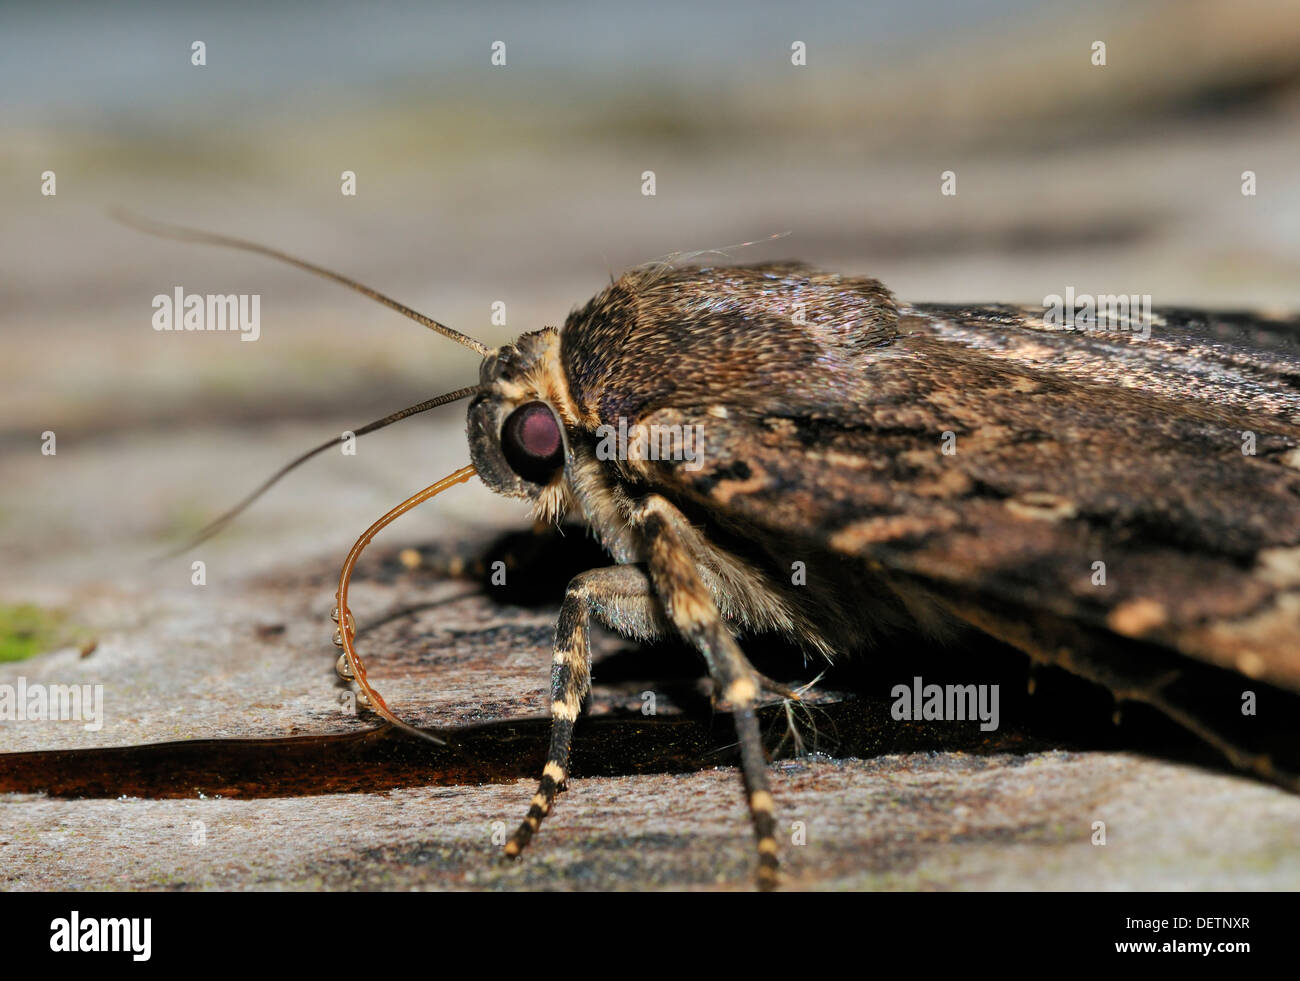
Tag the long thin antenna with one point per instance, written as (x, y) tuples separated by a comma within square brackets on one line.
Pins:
[(182, 234), (217, 524)]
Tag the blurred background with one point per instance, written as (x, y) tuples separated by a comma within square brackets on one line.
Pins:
[(522, 183)]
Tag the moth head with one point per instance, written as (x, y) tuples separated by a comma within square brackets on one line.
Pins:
[(518, 438)]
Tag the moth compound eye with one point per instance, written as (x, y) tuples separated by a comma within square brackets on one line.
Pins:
[(531, 442)]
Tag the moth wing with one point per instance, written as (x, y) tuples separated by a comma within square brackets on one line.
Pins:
[(1034, 480)]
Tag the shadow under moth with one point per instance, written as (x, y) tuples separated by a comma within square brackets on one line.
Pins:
[(1121, 504)]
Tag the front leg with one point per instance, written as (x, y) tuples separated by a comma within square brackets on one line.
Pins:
[(621, 598)]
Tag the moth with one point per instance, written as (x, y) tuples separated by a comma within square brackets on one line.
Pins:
[(1124, 504)]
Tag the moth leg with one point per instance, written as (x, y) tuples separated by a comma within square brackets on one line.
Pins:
[(621, 598), (776, 688), (692, 610)]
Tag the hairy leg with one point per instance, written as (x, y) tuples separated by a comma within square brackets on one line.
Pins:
[(691, 608), (621, 598)]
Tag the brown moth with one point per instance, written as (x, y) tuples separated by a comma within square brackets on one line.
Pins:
[(1123, 505)]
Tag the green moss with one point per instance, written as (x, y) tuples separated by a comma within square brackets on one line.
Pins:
[(185, 521), (27, 630)]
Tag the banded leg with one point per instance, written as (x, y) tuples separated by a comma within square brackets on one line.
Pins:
[(691, 608), (621, 598)]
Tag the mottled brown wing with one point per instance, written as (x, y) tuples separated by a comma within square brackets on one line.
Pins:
[(1069, 449)]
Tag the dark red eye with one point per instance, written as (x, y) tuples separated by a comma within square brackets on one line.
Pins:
[(531, 442)]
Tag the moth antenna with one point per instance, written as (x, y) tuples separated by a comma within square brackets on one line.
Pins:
[(182, 234), (350, 666), (217, 524)]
